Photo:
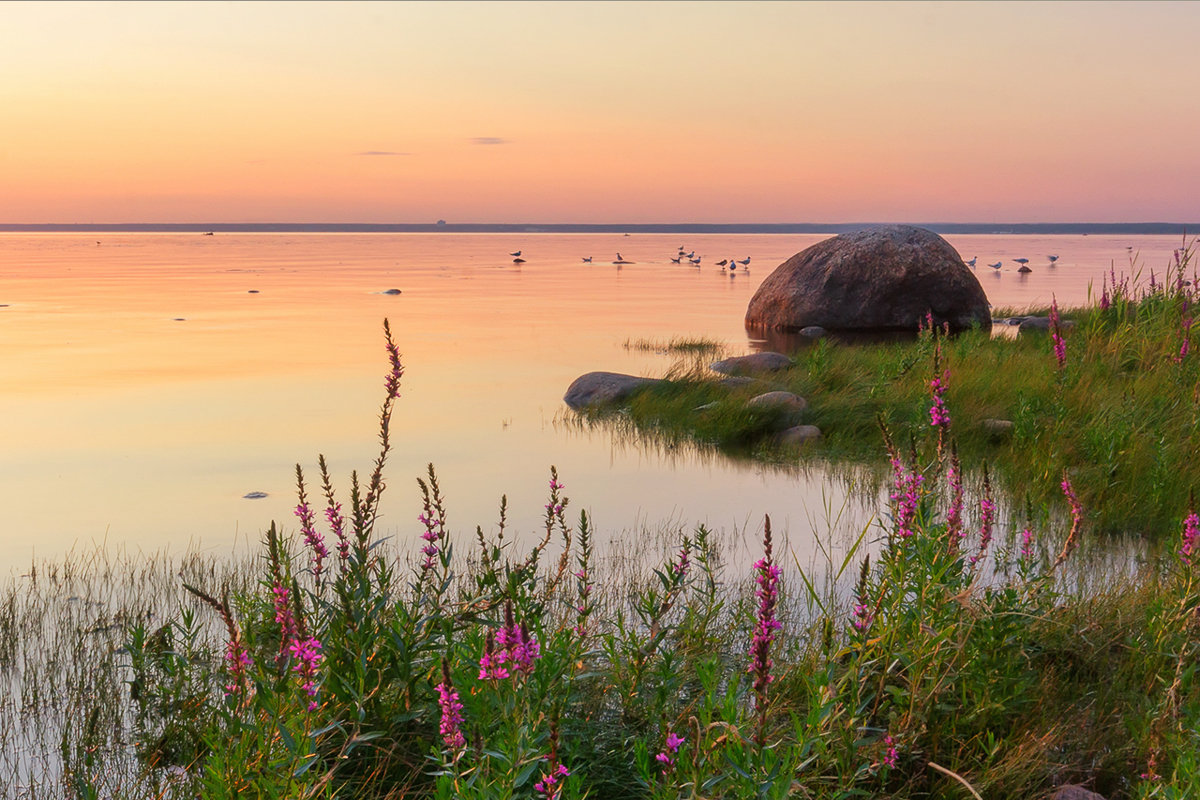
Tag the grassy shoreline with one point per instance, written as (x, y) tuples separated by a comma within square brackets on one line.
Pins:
[(935, 658)]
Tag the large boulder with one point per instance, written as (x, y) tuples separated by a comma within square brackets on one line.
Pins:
[(881, 278)]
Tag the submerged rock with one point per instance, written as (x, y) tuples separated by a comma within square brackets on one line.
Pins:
[(880, 278), (254, 495), (785, 400), (799, 434), (748, 365), (391, 291), (603, 388)]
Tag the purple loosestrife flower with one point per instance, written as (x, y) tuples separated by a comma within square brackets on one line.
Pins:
[(906, 496), (237, 662), (764, 631), (312, 537), (1190, 545), (432, 536), (1026, 544), (1060, 346), (864, 612), (307, 654), (1105, 302), (549, 786), (450, 726), (954, 526), (337, 523), (491, 663), (1076, 522), (987, 516), (890, 757), (680, 567), (669, 751), (939, 416), (392, 381)]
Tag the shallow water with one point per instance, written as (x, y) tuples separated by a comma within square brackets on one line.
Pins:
[(149, 381)]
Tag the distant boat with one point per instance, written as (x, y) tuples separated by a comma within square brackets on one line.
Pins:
[(208, 233)]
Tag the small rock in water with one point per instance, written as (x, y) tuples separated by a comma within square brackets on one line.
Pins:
[(785, 400), (252, 291), (758, 362), (1072, 791), (254, 495), (180, 319), (799, 434), (391, 291)]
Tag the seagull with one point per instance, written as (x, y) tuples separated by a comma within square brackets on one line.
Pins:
[(723, 262), (745, 261), (1052, 258), (691, 255), (996, 265), (516, 254), (1021, 261), (696, 261), (587, 260), (676, 260), (732, 266), (971, 263)]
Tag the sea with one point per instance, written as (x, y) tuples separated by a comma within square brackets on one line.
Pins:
[(159, 389)]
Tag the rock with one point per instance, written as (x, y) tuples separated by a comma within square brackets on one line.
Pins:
[(746, 365), (784, 400), (737, 381), (799, 434), (880, 278), (1073, 792), (254, 495), (1042, 324), (252, 291), (601, 388), (813, 331), (391, 291), (997, 428)]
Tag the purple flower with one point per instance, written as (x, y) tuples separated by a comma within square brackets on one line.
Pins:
[(939, 416), (337, 523), (450, 726), (1060, 346), (906, 496), (890, 756), (764, 631), (1191, 538), (548, 785), (491, 663), (1026, 544), (987, 516), (954, 527), (237, 662), (670, 749), (311, 536), (1105, 302), (307, 655)]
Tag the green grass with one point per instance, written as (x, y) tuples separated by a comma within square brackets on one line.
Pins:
[(1122, 414)]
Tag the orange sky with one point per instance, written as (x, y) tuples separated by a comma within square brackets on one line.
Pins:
[(598, 112)]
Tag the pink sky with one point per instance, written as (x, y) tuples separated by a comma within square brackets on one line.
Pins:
[(598, 112)]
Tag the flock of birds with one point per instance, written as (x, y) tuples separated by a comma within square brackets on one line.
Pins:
[(1024, 262), (729, 265)]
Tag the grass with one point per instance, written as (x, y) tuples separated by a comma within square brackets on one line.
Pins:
[(935, 659)]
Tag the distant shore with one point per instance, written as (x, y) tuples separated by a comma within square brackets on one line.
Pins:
[(992, 228)]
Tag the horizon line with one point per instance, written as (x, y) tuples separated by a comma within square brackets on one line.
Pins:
[(441, 226)]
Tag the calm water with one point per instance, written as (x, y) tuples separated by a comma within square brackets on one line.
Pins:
[(149, 381)]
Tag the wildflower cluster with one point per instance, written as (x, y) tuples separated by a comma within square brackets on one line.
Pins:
[(450, 726), (765, 630), (670, 750)]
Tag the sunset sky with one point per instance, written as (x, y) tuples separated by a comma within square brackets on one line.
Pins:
[(599, 112)]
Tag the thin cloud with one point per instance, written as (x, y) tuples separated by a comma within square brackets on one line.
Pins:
[(381, 153), (488, 140)]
